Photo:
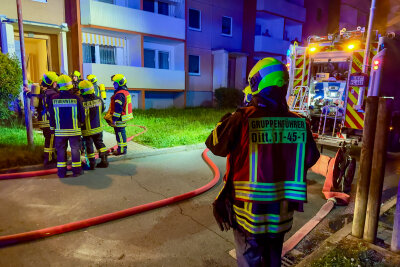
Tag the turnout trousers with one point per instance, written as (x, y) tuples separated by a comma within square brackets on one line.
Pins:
[(61, 147), (264, 251), (49, 154), (97, 140), (120, 135)]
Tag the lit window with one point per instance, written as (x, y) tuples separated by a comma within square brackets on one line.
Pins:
[(89, 53), (227, 26), (107, 55), (149, 58), (148, 5), (163, 8), (194, 65), (163, 60), (194, 19), (41, 1)]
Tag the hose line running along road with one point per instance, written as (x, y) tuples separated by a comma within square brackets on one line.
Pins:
[(46, 232)]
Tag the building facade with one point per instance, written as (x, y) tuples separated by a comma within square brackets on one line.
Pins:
[(173, 52), (45, 35)]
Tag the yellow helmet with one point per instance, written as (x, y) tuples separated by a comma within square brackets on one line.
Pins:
[(76, 73), (49, 78), (119, 78), (86, 87), (266, 74), (248, 94), (91, 78), (64, 82)]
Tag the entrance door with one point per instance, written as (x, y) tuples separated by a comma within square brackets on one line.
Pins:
[(36, 57)]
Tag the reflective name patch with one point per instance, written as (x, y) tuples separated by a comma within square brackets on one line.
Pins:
[(277, 130), (64, 101), (92, 104)]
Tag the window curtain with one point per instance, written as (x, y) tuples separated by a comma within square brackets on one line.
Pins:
[(107, 55)]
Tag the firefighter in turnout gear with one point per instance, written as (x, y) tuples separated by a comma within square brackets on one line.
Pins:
[(66, 116), (268, 150), (92, 130), (120, 112), (49, 87), (76, 79), (99, 90)]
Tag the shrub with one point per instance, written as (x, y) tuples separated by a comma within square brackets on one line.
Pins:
[(10, 84), (228, 97)]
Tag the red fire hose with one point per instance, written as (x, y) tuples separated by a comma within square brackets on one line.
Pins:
[(18, 175), (46, 232)]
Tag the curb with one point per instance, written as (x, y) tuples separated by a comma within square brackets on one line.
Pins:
[(334, 239)]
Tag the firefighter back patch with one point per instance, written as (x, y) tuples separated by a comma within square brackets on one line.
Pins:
[(277, 130)]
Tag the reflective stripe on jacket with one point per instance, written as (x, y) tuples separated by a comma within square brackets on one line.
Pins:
[(94, 108), (121, 106)]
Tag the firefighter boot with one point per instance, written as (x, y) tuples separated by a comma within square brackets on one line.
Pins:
[(62, 172), (104, 162), (92, 165), (77, 172)]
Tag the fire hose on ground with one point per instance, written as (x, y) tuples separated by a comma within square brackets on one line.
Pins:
[(46, 232)]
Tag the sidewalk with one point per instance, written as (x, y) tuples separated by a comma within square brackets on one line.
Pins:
[(342, 249)]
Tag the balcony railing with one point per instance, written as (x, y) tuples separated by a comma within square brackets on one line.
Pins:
[(119, 17), (271, 45), (138, 77), (283, 8)]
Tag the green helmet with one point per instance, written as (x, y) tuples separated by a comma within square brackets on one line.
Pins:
[(266, 73), (64, 82), (119, 79), (86, 87), (49, 78)]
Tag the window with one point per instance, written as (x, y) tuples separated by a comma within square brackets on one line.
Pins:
[(148, 5), (107, 55), (156, 59), (163, 60), (194, 19), (319, 14), (163, 8), (227, 26), (149, 58), (194, 65), (89, 53), (41, 1), (107, 1)]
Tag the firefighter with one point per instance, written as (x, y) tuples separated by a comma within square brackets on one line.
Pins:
[(269, 150), (92, 130), (47, 90), (76, 79), (66, 116), (99, 90), (120, 112)]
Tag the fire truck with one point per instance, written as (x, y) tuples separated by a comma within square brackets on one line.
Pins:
[(327, 84)]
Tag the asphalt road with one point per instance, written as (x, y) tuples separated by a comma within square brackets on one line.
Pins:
[(183, 234)]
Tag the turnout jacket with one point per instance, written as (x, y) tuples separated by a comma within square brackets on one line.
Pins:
[(94, 108), (268, 153), (43, 108), (121, 107), (66, 114)]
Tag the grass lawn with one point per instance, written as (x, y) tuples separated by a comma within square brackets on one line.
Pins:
[(14, 150), (174, 127)]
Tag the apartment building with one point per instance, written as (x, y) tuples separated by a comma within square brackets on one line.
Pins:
[(45, 33), (214, 49), (142, 39)]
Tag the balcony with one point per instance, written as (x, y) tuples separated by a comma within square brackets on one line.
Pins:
[(138, 77), (283, 8), (271, 45), (130, 19)]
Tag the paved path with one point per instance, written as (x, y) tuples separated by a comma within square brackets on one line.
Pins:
[(183, 234)]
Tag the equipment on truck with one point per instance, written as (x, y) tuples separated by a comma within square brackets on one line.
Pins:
[(319, 86)]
